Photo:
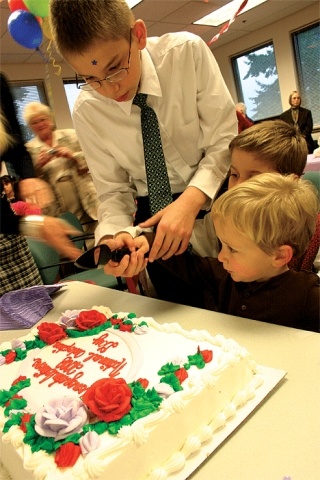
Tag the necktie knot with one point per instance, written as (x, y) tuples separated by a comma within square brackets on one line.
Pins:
[(140, 100)]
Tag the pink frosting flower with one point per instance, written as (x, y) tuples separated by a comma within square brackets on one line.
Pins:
[(61, 417), (89, 442), (67, 319)]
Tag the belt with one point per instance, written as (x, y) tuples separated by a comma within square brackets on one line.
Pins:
[(65, 178)]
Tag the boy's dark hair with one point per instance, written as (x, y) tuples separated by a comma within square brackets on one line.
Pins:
[(76, 24), (275, 142)]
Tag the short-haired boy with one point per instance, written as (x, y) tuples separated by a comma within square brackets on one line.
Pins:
[(266, 147), (114, 60), (261, 224)]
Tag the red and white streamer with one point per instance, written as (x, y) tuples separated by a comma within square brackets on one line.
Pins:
[(226, 26)]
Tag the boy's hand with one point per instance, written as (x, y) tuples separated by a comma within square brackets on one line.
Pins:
[(174, 224), (132, 264)]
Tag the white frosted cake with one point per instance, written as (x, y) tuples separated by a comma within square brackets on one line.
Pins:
[(102, 396)]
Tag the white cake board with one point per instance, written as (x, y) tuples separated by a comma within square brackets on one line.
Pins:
[(271, 377)]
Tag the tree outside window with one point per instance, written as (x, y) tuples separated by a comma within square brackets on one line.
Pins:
[(257, 82)]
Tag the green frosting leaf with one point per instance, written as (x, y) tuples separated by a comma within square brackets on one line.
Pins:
[(21, 354), (173, 381), (15, 404), (15, 419), (5, 395), (88, 333), (168, 368), (197, 360)]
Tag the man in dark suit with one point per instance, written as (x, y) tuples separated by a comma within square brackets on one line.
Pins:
[(300, 117)]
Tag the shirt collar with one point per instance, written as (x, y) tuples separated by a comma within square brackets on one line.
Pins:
[(149, 81)]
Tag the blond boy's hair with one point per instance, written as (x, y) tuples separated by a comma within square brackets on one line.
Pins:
[(271, 210), (275, 142), (77, 24)]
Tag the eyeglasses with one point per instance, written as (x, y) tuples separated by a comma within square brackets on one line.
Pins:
[(113, 78)]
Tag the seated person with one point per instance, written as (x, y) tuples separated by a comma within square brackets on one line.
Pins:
[(10, 189), (243, 120), (261, 225)]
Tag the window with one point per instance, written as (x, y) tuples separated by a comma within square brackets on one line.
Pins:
[(306, 44), (257, 84), (70, 87), (24, 93)]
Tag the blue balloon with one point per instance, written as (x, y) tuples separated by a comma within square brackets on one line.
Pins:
[(25, 29)]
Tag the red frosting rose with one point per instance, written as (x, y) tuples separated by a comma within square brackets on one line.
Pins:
[(10, 357), (90, 319), (181, 374), (67, 455), (25, 419), (144, 382), (126, 327), (207, 355), (109, 399), (51, 332), (19, 379)]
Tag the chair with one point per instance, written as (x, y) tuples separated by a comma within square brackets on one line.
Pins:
[(309, 260), (50, 266), (79, 240), (314, 178), (47, 260)]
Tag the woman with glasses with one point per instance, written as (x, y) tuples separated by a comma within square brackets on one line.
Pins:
[(114, 60)]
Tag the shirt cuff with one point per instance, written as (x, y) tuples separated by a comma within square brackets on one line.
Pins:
[(134, 231)]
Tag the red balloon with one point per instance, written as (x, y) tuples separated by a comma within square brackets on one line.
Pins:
[(16, 5)]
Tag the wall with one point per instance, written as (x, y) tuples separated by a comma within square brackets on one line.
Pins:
[(53, 84), (279, 32)]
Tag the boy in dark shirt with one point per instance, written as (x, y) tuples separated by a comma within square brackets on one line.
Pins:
[(261, 224)]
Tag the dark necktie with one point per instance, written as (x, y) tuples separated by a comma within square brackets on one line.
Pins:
[(157, 176)]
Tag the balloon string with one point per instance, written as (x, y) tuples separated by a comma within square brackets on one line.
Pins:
[(53, 60), (42, 55), (226, 26)]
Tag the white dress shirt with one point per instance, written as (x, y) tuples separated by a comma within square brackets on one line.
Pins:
[(197, 122)]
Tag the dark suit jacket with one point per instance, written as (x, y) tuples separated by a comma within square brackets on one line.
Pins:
[(305, 123)]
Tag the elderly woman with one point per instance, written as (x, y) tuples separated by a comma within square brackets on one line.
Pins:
[(58, 159), (300, 118)]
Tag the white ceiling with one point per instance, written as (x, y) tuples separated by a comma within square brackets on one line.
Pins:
[(162, 16)]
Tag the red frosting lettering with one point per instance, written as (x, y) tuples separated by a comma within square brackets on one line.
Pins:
[(103, 344), (106, 363), (69, 366)]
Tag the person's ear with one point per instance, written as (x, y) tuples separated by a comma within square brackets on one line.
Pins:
[(139, 31), (282, 255)]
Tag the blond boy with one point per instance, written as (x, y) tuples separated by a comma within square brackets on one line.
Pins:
[(261, 224)]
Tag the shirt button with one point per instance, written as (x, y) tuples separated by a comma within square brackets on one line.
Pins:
[(247, 295), (243, 307)]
